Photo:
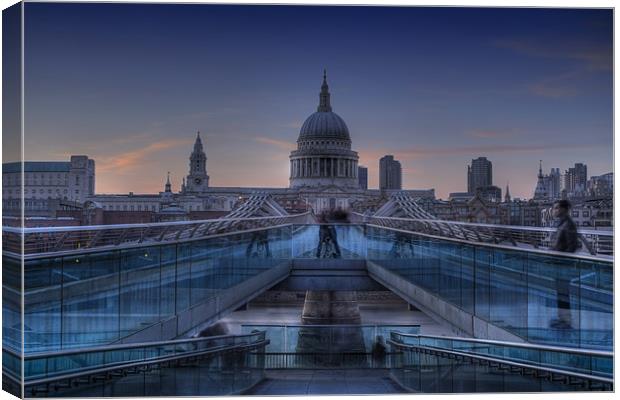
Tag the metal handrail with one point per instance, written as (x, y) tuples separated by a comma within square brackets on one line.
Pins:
[(132, 245), (148, 361), (145, 356), (72, 378), (79, 238), (586, 256), (142, 225), (593, 241), (497, 226), (568, 373), (333, 325), (542, 347), (123, 346)]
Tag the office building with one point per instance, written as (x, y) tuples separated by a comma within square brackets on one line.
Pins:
[(390, 173), (479, 174)]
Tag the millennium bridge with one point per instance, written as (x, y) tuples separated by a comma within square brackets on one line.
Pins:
[(121, 310)]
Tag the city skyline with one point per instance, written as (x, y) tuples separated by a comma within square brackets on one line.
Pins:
[(510, 91)]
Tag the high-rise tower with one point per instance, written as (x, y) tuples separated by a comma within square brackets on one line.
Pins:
[(479, 174), (390, 174)]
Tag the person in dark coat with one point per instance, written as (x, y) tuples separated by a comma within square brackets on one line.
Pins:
[(328, 240), (379, 352), (565, 239)]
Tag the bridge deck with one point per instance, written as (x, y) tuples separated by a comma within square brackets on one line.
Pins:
[(316, 382)]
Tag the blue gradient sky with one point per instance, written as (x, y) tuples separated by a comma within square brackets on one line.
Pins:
[(129, 85)]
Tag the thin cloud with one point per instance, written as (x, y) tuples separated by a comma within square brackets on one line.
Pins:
[(371, 157), (559, 86), (281, 144), (133, 158), (552, 91), (292, 125), (593, 56), (476, 150), (490, 134)]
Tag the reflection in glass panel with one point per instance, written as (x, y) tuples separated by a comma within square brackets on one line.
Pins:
[(90, 310), (467, 278), (596, 304), (450, 272), (553, 300), (483, 290), (183, 278), (508, 290), (42, 300), (168, 280), (140, 281)]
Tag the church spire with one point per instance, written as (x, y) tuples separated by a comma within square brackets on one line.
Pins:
[(197, 179), (507, 197), (324, 103), (540, 174), (168, 188), (198, 143)]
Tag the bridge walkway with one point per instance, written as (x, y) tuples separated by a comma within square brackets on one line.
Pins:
[(321, 382)]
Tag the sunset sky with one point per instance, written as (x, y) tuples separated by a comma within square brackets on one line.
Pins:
[(129, 85)]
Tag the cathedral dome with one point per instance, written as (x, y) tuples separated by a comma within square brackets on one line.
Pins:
[(323, 124), (323, 156)]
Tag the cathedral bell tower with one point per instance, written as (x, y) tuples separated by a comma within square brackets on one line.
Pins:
[(197, 180)]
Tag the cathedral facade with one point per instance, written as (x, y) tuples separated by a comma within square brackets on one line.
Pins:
[(323, 175)]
